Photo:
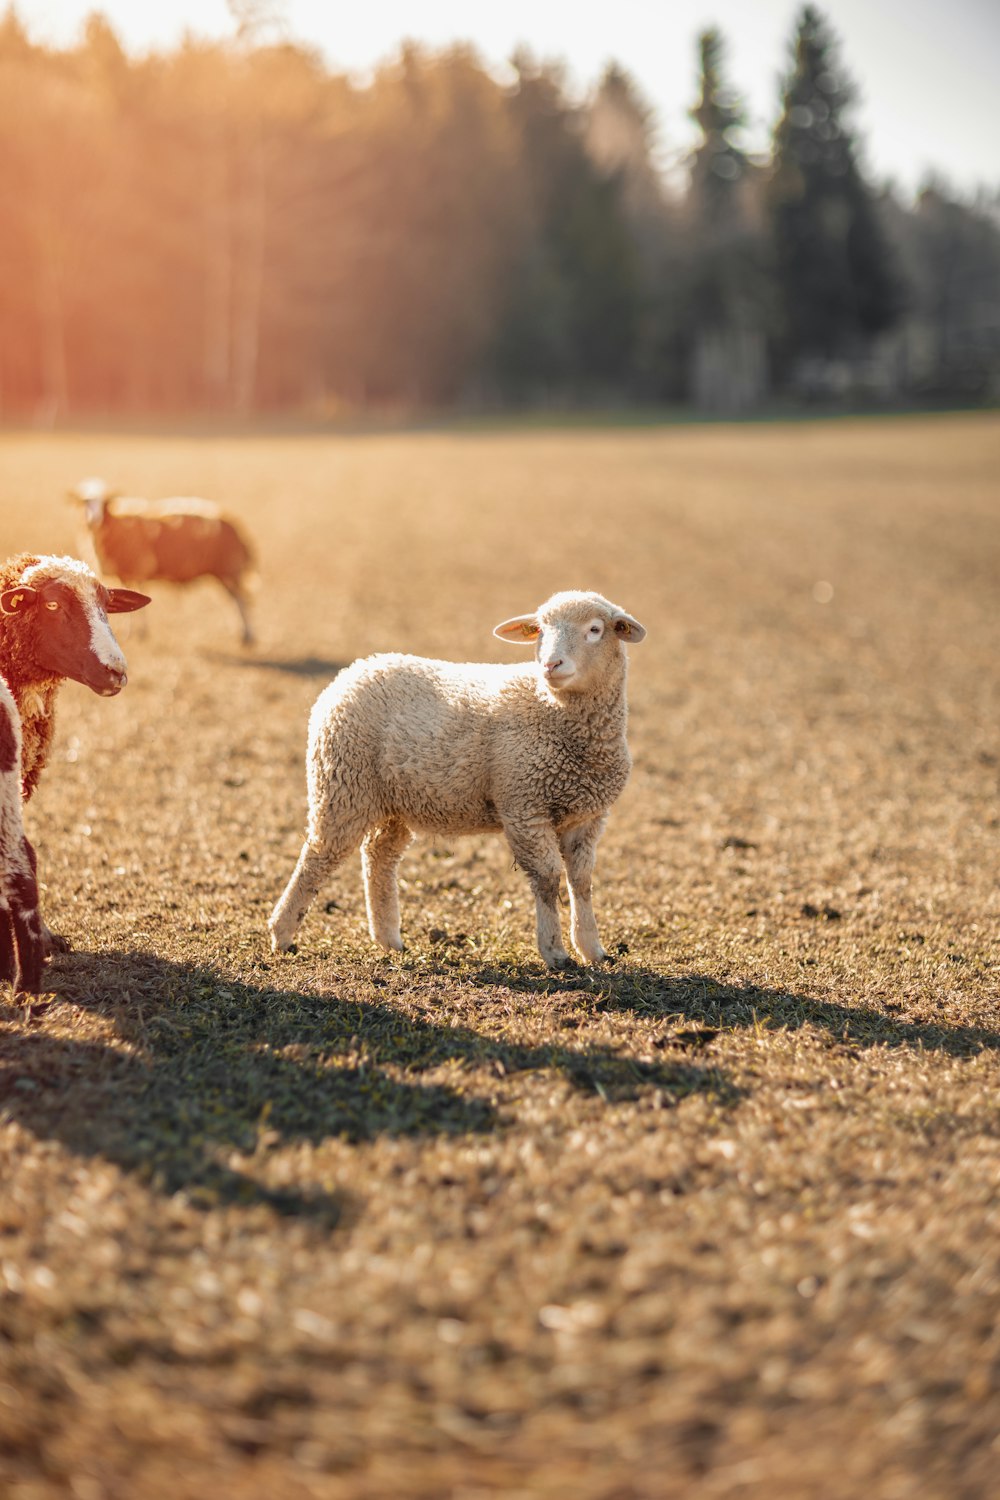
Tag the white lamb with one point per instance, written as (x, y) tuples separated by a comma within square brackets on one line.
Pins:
[(402, 744)]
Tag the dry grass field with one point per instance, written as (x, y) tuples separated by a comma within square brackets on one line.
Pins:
[(722, 1220)]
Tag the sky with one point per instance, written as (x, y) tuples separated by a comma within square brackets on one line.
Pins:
[(927, 71)]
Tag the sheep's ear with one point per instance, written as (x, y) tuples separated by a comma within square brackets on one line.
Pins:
[(519, 631), (124, 601), (17, 601), (629, 629)]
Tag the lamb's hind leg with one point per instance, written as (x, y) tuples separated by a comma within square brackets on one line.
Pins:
[(380, 855), (326, 848)]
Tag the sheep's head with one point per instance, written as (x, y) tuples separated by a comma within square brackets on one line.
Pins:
[(61, 611), (93, 495), (576, 636)]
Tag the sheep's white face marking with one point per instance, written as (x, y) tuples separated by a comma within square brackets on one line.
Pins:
[(102, 639)]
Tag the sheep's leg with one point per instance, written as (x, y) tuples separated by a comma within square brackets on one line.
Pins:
[(236, 594), (315, 863), (8, 948), (22, 952), (579, 850), (28, 945), (536, 851), (380, 855), (52, 942)]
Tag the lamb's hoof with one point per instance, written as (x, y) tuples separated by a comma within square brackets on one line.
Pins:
[(54, 942), (559, 961), (391, 945)]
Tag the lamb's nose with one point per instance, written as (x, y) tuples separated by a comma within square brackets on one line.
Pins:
[(550, 666)]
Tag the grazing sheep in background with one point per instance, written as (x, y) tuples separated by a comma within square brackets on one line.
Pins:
[(22, 948), (53, 626), (402, 744), (168, 541)]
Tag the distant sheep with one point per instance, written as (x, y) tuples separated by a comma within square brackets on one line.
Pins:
[(22, 949), (53, 626), (402, 744), (168, 541)]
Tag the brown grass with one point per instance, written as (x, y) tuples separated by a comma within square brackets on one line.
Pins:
[(720, 1221)]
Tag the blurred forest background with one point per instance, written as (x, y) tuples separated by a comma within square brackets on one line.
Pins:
[(234, 227)]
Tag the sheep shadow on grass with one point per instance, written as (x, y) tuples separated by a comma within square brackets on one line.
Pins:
[(714, 1004), (198, 1075), (293, 666)]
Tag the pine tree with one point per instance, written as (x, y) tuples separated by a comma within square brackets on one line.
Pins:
[(575, 293), (718, 165), (728, 293), (835, 277)]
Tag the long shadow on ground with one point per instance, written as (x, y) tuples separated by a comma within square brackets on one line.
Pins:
[(201, 1067), (701, 999), (294, 666)]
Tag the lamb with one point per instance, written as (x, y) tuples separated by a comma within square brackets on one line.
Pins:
[(54, 625), (402, 744), (172, 541), (22, 949)]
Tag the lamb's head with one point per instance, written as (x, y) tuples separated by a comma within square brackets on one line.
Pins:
[(56, 618), (578, 638), (93, 495)]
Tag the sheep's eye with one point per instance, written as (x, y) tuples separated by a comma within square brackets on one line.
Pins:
[(51, 604), (595, 630)]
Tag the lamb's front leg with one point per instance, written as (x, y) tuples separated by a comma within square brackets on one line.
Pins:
[(536, 850), (579, 851)]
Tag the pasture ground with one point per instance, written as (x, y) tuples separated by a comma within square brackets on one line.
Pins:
[(721, 1220)]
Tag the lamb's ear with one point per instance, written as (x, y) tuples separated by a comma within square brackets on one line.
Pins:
[(17, 601), (520, 631), (124, 601), (629, 629)]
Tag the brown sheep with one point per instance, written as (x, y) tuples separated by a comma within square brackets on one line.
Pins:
[(22, 946), (53, 626), (169, 541)]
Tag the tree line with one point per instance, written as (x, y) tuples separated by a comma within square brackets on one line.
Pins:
[(235, 227)]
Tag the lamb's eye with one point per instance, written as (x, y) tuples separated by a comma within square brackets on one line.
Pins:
[(51, 604), (595, 630)]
